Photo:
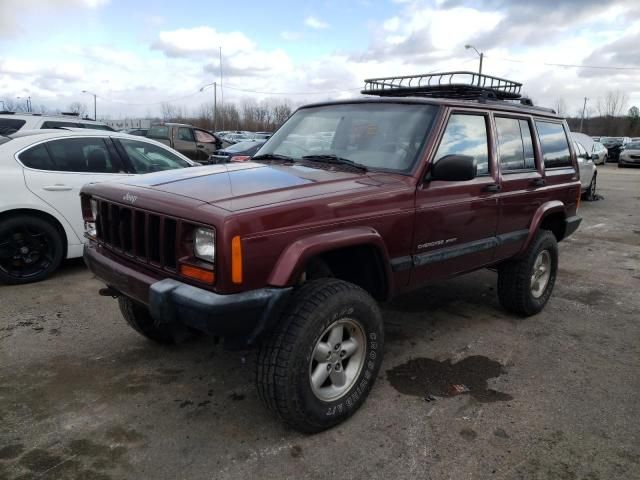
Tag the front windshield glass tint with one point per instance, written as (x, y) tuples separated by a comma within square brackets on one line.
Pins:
[(386, 136)]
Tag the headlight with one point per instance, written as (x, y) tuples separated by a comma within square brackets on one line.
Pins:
[(204, 244), (94, 208)]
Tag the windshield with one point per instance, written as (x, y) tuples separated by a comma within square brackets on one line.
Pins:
[(385, 136), (633, 146), (611, 139)]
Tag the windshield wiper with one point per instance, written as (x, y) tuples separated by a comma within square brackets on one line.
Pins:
[(273, 156), (334, 159)]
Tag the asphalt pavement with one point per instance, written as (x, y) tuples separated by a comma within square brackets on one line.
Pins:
[(467, 391)]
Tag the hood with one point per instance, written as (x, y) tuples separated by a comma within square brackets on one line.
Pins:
[(247, 185)]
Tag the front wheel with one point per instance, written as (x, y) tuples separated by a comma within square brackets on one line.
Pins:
[(318, 366), (590, 194), (31, 248), (525, 285)]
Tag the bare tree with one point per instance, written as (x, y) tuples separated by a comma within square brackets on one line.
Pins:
[(172, 112), (613, 103), (79, 108)]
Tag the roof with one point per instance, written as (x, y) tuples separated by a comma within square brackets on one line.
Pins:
[(501, 105)]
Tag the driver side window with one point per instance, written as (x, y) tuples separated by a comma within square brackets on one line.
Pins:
[(466, 134)]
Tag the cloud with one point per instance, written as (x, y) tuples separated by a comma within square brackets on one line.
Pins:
[(12, 17), (289, 36), (202, 41), (315, 23)]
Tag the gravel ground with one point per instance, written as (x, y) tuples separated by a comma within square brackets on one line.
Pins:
[(554, 396)]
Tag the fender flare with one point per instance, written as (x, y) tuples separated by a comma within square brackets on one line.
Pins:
[(543, 211), (292, 260)]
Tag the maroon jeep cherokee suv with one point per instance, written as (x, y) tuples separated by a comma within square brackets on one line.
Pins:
[(347, 204)]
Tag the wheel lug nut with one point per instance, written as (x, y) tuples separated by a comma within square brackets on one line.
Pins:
[(343, 353), (329, 368), (337, 347)]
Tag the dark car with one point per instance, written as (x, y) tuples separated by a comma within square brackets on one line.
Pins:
[(614, 146), (291, 252), (238, 152)]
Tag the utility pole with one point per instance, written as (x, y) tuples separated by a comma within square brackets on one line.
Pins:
[(481, 55), (215, 106), (584, 107), (221, 91)]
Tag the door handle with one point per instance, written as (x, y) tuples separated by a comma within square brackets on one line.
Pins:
[(199, 146), (538, 182), (494, 187), (57, 188)]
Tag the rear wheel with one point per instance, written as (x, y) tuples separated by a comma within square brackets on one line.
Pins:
[(590, 194), (31, 248), (319, 365), (525, 285)]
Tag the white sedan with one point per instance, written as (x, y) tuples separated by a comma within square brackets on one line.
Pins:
[(41, 174)]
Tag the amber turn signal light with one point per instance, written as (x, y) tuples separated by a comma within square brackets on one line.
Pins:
[(236, 260), (197, 273)]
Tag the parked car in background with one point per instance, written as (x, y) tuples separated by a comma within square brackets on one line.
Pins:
[(601, 151), (614, 146), (588, 171), (237, 137), (11, 122), (630, 156), (634, 139), (194, 143), (238, 152), (141, 132), (262, 135), (41, 173), (596, 139)]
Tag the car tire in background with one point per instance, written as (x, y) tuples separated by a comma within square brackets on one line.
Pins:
[(31, 248), (525, 285), (317, 368), (590, 194)]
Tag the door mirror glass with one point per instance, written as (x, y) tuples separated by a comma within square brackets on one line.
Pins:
[(454, 168), (595, 156)]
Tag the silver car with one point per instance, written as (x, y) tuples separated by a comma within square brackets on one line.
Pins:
[(630, 156)]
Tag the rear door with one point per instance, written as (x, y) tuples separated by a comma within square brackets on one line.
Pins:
[(521, 176), (56, 170), (456, 220), (184, 142)]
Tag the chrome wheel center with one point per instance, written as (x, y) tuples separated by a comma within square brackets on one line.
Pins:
[(337, 359), (541, 273)]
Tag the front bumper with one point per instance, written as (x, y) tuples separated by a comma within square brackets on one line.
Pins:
[(629, 161), (245, 315)]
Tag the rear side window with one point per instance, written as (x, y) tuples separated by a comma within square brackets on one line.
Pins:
[(555, 147), (147, 157), (72, 155), (96, 126), (158, 132), (466, 135), (10, 125), (514, 144), (205, 137)]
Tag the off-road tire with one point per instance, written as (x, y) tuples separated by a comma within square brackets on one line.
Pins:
[(514, 277), (139, 318), (284, 358), (48, 231)]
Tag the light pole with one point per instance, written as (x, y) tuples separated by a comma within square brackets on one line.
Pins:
[(215, 102), (467, 47), (95, 114), (2, 101)]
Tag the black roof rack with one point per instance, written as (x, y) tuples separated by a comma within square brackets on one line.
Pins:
[(458, 85)]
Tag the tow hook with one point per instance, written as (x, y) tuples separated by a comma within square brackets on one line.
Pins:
[(109, 292)]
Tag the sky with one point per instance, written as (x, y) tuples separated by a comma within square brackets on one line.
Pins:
[(136, 54)]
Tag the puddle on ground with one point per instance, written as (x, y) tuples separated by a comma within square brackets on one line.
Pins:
[(423, 377)]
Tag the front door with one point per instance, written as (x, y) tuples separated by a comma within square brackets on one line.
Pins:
[(456, 220), (56, 170), (184, 142)]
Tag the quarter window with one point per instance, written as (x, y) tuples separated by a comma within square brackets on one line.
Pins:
[(52, 124), (10, 125), (466, 135), (515, 146), (555, 147)]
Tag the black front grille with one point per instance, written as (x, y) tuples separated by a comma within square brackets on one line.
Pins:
[(143, 236)]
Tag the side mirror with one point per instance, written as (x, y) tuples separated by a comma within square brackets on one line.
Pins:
[(454, 168), (595, 157)]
